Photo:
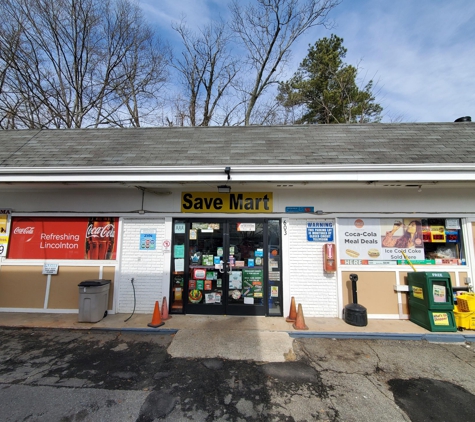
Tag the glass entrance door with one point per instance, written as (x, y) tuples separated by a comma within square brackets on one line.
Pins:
[(226, 267), (206, 275), (245, 268)]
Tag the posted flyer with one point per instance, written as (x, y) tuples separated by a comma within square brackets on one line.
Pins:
[(380, 239)]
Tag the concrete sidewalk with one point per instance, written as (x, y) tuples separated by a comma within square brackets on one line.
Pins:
[(317, 327), (260, 339)]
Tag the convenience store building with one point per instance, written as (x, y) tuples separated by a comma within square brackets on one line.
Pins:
[(235, 220)]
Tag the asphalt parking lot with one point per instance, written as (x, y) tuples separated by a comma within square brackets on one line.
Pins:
[(77, 375)]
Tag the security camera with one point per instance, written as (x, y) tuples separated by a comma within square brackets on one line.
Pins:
[(354, 277)]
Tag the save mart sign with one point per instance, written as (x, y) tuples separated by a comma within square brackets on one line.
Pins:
[(239, 202)]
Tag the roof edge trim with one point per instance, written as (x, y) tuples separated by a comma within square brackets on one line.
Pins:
[(270, 169)]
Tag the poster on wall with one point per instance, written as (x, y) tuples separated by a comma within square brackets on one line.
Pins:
[(148, 240), (91, 238), (380, 239), (252, 281), (4, 219)]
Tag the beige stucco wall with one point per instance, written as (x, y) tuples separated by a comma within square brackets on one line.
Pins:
[(25, 286), (22, 287), (375, 291)]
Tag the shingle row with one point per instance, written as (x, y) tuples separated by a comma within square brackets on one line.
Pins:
[(424, 143)]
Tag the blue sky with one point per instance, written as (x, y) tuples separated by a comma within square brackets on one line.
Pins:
[(420, 53)]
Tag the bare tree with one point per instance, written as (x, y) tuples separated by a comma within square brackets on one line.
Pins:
[(9, 44), (78, 63), (267, 31), (140, 74), (207, 69)]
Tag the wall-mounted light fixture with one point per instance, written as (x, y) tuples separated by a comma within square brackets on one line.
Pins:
[(224, 189)]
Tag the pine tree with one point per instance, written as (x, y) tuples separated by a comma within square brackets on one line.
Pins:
[(326, 89)]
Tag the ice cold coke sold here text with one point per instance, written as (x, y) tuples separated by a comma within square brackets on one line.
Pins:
[(399, 251)]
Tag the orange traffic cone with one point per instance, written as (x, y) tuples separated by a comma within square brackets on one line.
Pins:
[(300, 321), (165, 314), (293, 312), (156, 319)]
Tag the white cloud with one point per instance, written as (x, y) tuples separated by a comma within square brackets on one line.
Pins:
[(197, 12)]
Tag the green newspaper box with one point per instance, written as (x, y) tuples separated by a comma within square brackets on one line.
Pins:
[(431, 300), (436, 321), (432, 290)]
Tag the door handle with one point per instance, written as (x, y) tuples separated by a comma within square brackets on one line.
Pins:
[(221, 267), (231, 263)]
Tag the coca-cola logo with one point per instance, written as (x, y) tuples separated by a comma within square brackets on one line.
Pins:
[(24, 230), (100, 231)]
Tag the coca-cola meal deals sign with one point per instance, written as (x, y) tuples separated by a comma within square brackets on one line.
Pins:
[(63, 238)]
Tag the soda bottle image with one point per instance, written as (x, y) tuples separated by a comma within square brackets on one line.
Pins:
[(111, 237), (100, 235)]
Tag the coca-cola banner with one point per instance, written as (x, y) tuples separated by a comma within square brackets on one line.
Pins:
[(63, 238)]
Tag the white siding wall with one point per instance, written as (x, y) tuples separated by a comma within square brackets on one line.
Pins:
[(146, 267), (308, 283)]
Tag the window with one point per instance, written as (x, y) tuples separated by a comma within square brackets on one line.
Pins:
[(393, 241)]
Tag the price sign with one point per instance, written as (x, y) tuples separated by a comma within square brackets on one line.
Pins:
[(437, 237), (452, 236)]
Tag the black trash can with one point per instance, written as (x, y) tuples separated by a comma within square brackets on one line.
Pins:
[(93, 300)]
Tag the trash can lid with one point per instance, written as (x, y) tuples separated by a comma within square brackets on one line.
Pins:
[(91, 283)]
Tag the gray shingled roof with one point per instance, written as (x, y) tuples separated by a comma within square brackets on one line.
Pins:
[(418, 143)]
